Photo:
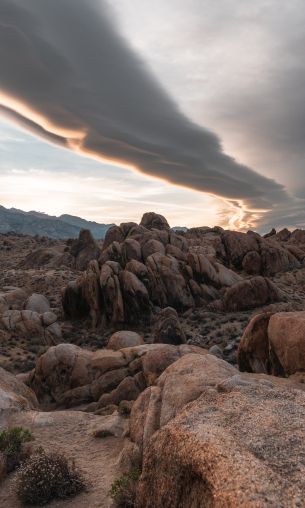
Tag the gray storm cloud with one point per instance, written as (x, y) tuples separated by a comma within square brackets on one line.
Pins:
[(68, 75)]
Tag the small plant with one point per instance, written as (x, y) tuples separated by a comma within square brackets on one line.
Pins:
[(11, 445), (123, 490), (46, 476)]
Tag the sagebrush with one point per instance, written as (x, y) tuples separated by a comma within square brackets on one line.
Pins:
[(124, 490), (46, 476), (11, 446)]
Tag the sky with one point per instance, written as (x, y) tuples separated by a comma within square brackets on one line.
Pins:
[(194, 109)]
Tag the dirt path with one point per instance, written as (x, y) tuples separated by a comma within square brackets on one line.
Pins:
[(71, 433)]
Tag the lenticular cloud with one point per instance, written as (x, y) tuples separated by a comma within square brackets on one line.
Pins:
[(68, 75)]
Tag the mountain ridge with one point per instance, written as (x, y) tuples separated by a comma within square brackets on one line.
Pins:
[(39, 223)]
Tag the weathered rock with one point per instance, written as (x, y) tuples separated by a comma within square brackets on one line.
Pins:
[(254, 350), (252, 263), (237, 245), (151, 220), (286, 332), (234, 446), (14, 395), (84, 249), (168, 329), (167, 285), (251, 293), (184, 380), (26, 323), (152, 246), (124, 338), (69, 376), (37, 303), (12, 299)]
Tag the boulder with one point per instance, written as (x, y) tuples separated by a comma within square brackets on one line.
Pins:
[(68, 375), (14, 395), (26, 323), (151, 220), (12, 299), (234, 446), (252, 263), (124, 338), (254, 350), (237, 245), (84, 249), (168, 329), (286, 332), (37, 303), (274, 343), (251, 293)]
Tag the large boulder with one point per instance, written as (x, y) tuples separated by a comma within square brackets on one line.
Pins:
[(251, 293), (286, 333), (234, 446), (151, 220), (274, 344), (254, 350)]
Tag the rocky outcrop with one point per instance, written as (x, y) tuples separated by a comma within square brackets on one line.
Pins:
[(274, 344), (67, 375), (233, 446), (142, 268), (257, 255)]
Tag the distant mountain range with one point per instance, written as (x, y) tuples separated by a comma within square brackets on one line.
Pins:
[(37, 223)]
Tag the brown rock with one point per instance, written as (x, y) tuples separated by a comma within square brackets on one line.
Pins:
[(251, 293), (151, 220), (168, 329), (236, 447), (254, 351), (286, 333), (124, 339), (252, 263)]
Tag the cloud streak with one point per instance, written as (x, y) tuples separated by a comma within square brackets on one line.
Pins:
[(69, 76)]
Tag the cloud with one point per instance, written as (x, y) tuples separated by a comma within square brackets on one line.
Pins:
[(69, 76)]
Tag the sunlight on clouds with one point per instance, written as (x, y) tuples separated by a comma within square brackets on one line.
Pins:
[(104, 200)]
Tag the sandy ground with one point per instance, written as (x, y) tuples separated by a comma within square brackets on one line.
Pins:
[(71, 433)]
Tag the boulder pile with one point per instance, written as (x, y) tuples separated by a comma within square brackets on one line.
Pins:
[(147, 267)]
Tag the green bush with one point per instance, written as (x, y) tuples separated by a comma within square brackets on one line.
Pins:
[(46, 476), (123, 490), (11, 445)]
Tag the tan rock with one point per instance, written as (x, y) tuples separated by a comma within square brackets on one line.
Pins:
[(124, 338)]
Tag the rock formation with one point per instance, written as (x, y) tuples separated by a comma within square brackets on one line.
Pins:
[(274, 344)]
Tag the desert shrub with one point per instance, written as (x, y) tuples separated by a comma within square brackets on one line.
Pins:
[(11, 446), (46, 476), (123, 490)]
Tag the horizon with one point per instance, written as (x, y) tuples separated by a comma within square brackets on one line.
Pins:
[(145, 116)]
